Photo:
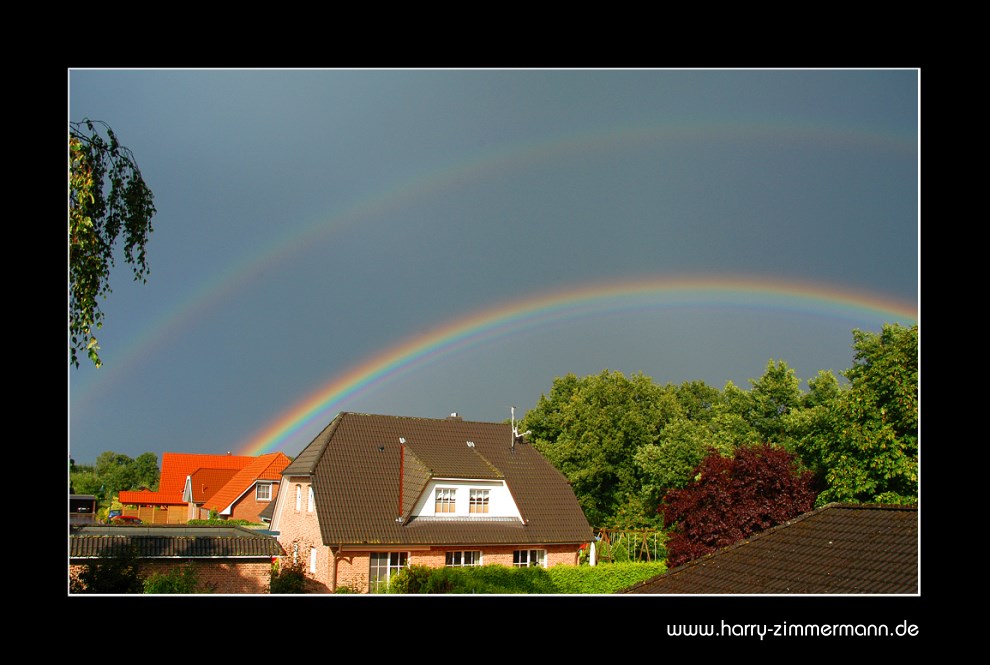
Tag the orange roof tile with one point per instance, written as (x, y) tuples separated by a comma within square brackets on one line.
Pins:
[(207, 482), (264, 467), (176, 467)]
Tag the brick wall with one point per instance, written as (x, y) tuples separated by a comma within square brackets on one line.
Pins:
[(216, 576), (299, 534), (353, 568)]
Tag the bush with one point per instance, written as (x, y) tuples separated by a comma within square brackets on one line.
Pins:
[(183, 579), (497, 579), (288, 577), (116, 574), (734, 497), (603, 578)]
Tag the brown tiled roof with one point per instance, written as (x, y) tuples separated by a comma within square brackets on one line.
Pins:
[(837, 549), (188, 542), (364, 479)]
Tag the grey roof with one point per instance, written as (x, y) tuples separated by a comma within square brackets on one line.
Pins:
[(365, 481), (172, 541), (836, 549)]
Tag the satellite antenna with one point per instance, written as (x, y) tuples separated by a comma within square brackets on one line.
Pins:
[(516, 436)]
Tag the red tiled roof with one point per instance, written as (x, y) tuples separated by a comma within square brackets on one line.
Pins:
[(359, 470), (176, 467), (148, 498), (837, 549), (264, 467), (207, 482)]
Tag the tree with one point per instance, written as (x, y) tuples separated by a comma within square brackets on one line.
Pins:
[(863, 442), (776, 394), (733, 497), (590, 430), (107, 198), (114, 472)]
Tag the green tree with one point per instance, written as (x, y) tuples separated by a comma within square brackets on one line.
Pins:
[(107, 198), (591, 428), (863, 441), (670, 463), (773, 396), (115, 472)]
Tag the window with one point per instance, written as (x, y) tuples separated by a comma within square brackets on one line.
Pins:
[(470, 558), (311, 506), (478, 501), (528, 558), (445, 500), (312, 559), (383, 566), (263, 492), (298, 498)]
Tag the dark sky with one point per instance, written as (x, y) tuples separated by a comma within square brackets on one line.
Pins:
[(419, 242)]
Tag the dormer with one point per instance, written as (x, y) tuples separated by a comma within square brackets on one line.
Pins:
[(451, 482)]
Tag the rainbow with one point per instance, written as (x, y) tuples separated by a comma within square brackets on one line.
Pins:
[(554, 306), (182, 314)]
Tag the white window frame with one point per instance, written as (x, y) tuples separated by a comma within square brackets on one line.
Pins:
[(479, 501), (380, 572), (529, 558), (445, 501), (463, 558), (268, 492)]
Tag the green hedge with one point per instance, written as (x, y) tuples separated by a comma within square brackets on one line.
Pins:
[(496, 579)]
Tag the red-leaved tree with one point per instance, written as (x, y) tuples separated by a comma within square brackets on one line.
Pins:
[(734, 497)]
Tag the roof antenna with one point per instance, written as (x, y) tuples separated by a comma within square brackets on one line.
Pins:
[(516, 436)]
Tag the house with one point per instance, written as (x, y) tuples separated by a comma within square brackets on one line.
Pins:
[(227, 559), (836, 549), (372, 494), (190, 486)]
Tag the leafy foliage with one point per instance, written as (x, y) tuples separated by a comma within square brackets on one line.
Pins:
[(863, 442), (591, 428), (288, 577), (496, 579), (182, 579), (107, 198), (116, 574), (113, 473), (734, 497)]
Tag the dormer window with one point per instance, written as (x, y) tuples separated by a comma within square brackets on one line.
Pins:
[(445, 500), (478, 501)]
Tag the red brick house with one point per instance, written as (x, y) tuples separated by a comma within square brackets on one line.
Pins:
[(190, 486), (372, 494)]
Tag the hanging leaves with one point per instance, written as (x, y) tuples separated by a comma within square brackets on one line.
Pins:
[(107, 198)]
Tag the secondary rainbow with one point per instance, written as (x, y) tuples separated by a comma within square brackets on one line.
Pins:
[(548, 308)]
